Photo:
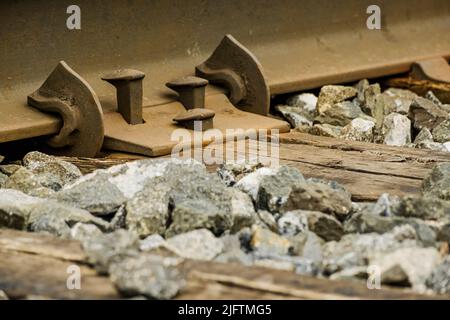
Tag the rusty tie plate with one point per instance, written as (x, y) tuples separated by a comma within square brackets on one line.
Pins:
[(299, 45)]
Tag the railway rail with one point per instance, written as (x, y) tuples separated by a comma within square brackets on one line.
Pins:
[(299, 46), (121, 82)]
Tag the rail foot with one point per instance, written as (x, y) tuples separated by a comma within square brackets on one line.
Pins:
[(436, 69)]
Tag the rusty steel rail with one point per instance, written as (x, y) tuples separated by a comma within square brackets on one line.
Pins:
[(275, 47)]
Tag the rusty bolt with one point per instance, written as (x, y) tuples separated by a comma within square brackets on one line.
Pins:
[(191, 91), (128, 83), (189, 118)]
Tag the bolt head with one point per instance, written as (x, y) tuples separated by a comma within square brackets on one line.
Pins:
[(187, 82), (194, 114), (124, 75)]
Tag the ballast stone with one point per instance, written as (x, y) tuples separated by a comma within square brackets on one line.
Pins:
[(50, 171), (97, 195)]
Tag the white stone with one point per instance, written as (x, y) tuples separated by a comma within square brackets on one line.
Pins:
[(416, 264), (332, 94), (3, 295), (297, 116), (358, 130), (197, 244), (242, 210), (81, 231), (401, 99), (423, 136), (353, 249), (250, 183), (152, 242), (291, 224), (17, 210), (447, 146), (432, 146), (11, 198), (295, 119), (307, 100), (396, 130), (130, 177)]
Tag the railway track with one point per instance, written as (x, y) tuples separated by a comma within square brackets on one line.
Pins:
[(136, 72), (299, 46)]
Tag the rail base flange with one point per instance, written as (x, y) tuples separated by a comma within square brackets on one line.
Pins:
[(435, 69)]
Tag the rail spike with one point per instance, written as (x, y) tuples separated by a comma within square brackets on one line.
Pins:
[(68, 94), (235, 67)]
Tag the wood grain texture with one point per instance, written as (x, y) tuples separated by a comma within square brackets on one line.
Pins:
[(41, 244), (277, 283), (367, 170), (421, 87), (24, 274)]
